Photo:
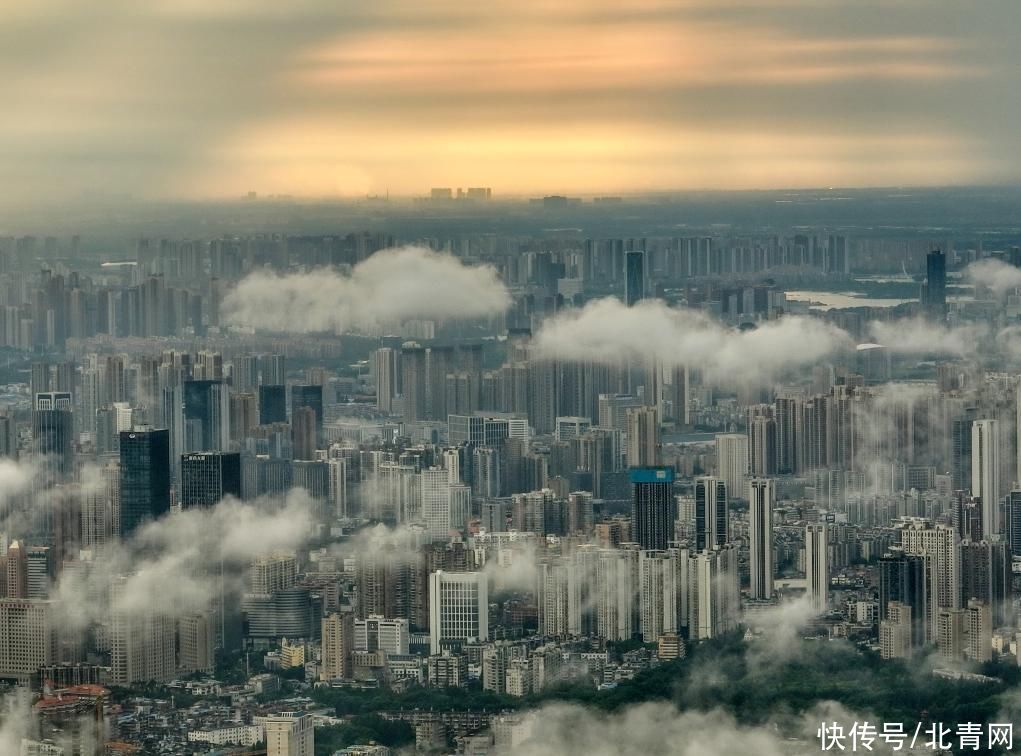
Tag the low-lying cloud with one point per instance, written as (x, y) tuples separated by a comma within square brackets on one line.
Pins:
[(388, 288), (995, 275), (607, 331)]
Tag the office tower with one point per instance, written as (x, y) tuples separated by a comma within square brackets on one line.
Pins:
[(960, 449), (732, 461), (39, 571), (642, 437), (567, 428), (304, 433), (272, 404), (634, 277), (16, 571), (378, 633), (144, 477), (385, 371), (436, 503), (289, 734), (895, 632), (934, 294), (714, 593), (1012, 525), (29, 631), (761, 501), (580, 513), (675, 393), (143, 640), (8, 437), (985, 473), (272, 369), (310, 396), (904, 579), (206, 415), (653, 506), (762, 445), (458, 609), (487, 473), (338, 646), (658, 592), (52, 436), (273, 572), (712, 525), (817, 565), (207, 477), (195, 642), (414, 380)]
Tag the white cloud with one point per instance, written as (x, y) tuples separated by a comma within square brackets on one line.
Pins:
[(995, 275), (389, 287), (919, 336), (607, 331)]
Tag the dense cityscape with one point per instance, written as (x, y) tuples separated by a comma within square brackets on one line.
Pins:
[(359, 493)]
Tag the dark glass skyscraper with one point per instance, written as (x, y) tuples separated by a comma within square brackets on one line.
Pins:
[(712, 525), (902, 577), (634, 277), (272, 404), (145, 477), (52, 435), (308, 396), (206, 477), (935, 292), (653, 507), (206, 415)]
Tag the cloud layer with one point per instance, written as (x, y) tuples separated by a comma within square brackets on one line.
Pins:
[(606, 330), (388, 288)]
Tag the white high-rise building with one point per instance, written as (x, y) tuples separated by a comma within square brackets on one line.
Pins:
[(289, 734), (458, 608), (939, 545), (985, 473), (616, 593), (143, 641), (642, 437), (817, 565), (385, 368), (761, 501), (554, 596), (714, 592), (658, 593), (732, 461), (377, 633), (338, 485)]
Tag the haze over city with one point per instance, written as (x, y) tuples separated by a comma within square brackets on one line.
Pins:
[(546, 378)]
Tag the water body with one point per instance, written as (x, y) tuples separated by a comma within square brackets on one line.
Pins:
[(842, 300)]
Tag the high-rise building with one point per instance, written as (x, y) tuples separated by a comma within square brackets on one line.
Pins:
[(272, 404), (338, 645), (303, 433), (761, 502), (378, 633), (207, 477), (817, 565), (206, 415), (634, 277), (310, 396), (642, 437), (289, 734), (385, 371), (714, 594), (143, 640), (985, 473), (895, 632), (762, 443), (732, 461), (28, 637), (458, 608), (144, 477), (414, 382), (653, 506), (658, 593), (1012, 525), (939, 545), (712, 525), (904, 580), (934, 294), (52, 436)]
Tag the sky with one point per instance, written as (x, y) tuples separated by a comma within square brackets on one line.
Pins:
[(196, 99)]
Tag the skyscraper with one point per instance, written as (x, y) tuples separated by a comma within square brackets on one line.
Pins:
[(414, 382), (458, 608), (761, 501), (385, 371), (642, 437), (712, 526), (338, 645), (985, 473), (206, 416), (145, 477), (52, 435), (634, 277), (653, 506), (817, 565), (206, 477), (289, 734), (732, 461), (308, 396), (272, 404), (934, 299)]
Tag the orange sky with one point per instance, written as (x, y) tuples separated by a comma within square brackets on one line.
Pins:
[(211, 98)]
